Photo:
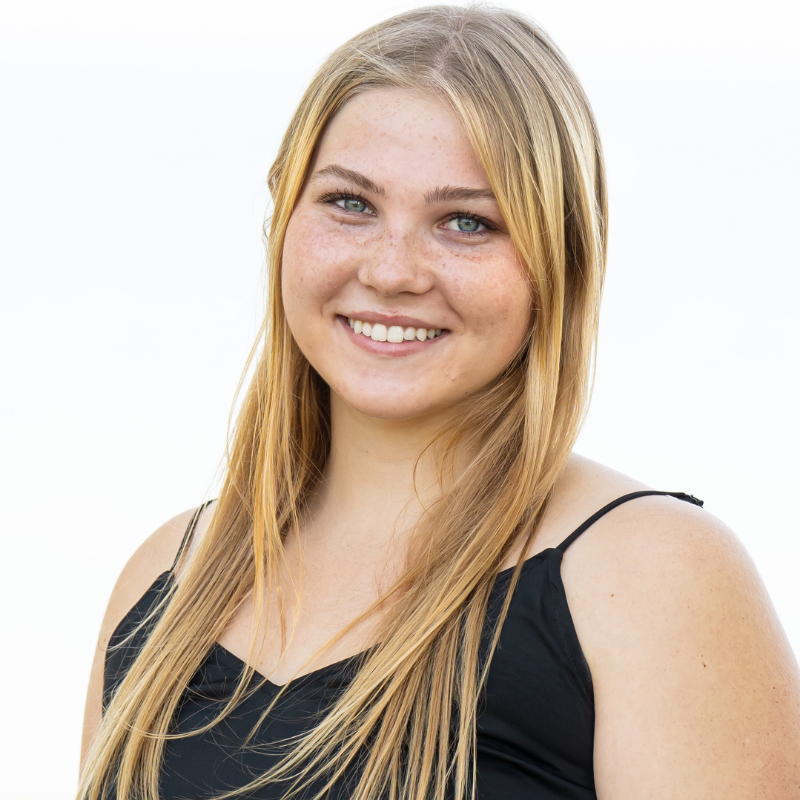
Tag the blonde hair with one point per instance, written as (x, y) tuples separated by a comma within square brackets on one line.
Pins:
[(406, 723)]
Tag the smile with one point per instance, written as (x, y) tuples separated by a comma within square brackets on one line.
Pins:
[(393, 333)]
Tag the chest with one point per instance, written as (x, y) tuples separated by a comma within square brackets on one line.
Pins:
[(323, 608), (535, 724)]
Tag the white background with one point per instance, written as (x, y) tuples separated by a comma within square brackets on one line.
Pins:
[(135, 142)]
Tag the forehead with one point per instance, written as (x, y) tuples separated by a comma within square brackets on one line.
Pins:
[(395, 136)]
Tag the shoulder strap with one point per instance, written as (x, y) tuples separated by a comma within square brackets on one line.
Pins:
[(618, 502), (187, 536)]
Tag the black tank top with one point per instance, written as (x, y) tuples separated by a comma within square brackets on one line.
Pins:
[(535, 726)]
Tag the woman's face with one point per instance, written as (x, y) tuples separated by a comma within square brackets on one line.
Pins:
[(396, 237)]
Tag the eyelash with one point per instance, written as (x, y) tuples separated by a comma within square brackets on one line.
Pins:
[(332, 197)]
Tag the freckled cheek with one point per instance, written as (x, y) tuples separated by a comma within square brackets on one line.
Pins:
[(315, 265), (494, 303)]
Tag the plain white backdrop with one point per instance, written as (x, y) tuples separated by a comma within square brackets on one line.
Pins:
[(135, 143)]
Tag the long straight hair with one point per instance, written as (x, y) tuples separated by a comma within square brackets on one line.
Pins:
[(406, 722)]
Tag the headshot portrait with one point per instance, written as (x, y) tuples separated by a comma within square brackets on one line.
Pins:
[(402, 401)]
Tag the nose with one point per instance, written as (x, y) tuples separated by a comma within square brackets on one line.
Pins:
[(396, 263)]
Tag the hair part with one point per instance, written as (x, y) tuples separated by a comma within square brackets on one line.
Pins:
[(406, 723)]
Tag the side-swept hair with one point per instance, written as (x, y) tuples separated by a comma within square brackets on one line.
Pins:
[(406, 723)]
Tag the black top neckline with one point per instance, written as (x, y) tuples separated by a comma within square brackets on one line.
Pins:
[(346, 664), (349, 663)]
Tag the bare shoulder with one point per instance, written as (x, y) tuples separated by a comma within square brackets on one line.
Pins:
[(153, 557), (697, 692), (584, 488), (653, 548)]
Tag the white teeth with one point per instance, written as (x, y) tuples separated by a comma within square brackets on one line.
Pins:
[(392, 333)]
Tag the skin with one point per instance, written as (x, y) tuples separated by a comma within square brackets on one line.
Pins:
[(697, 692)]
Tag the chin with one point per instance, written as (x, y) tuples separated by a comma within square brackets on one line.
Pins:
[(388, 406)]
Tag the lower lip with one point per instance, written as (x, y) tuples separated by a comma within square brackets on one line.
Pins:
[(388, 348)]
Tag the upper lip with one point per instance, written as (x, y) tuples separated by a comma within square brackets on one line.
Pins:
[(388, 320)]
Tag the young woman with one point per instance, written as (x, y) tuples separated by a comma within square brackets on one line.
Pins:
[(409, 587)]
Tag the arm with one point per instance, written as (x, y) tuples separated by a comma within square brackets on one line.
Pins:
[(697, 691), (151, 559)]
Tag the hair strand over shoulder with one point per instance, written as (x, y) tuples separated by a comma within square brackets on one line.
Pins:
[(407, 720)]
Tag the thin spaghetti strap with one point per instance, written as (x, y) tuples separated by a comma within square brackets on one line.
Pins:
[(618, 502), (187, 536)]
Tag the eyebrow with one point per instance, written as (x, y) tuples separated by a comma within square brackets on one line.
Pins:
[(446, 194), (351, 175), (441, 194)]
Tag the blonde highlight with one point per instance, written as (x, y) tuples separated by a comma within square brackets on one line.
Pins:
[(407, 720)]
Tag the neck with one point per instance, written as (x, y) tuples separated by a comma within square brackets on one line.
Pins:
[(379, 475)]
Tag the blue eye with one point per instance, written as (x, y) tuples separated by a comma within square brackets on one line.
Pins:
[(347, 201), (468, 225), (351, 204)]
